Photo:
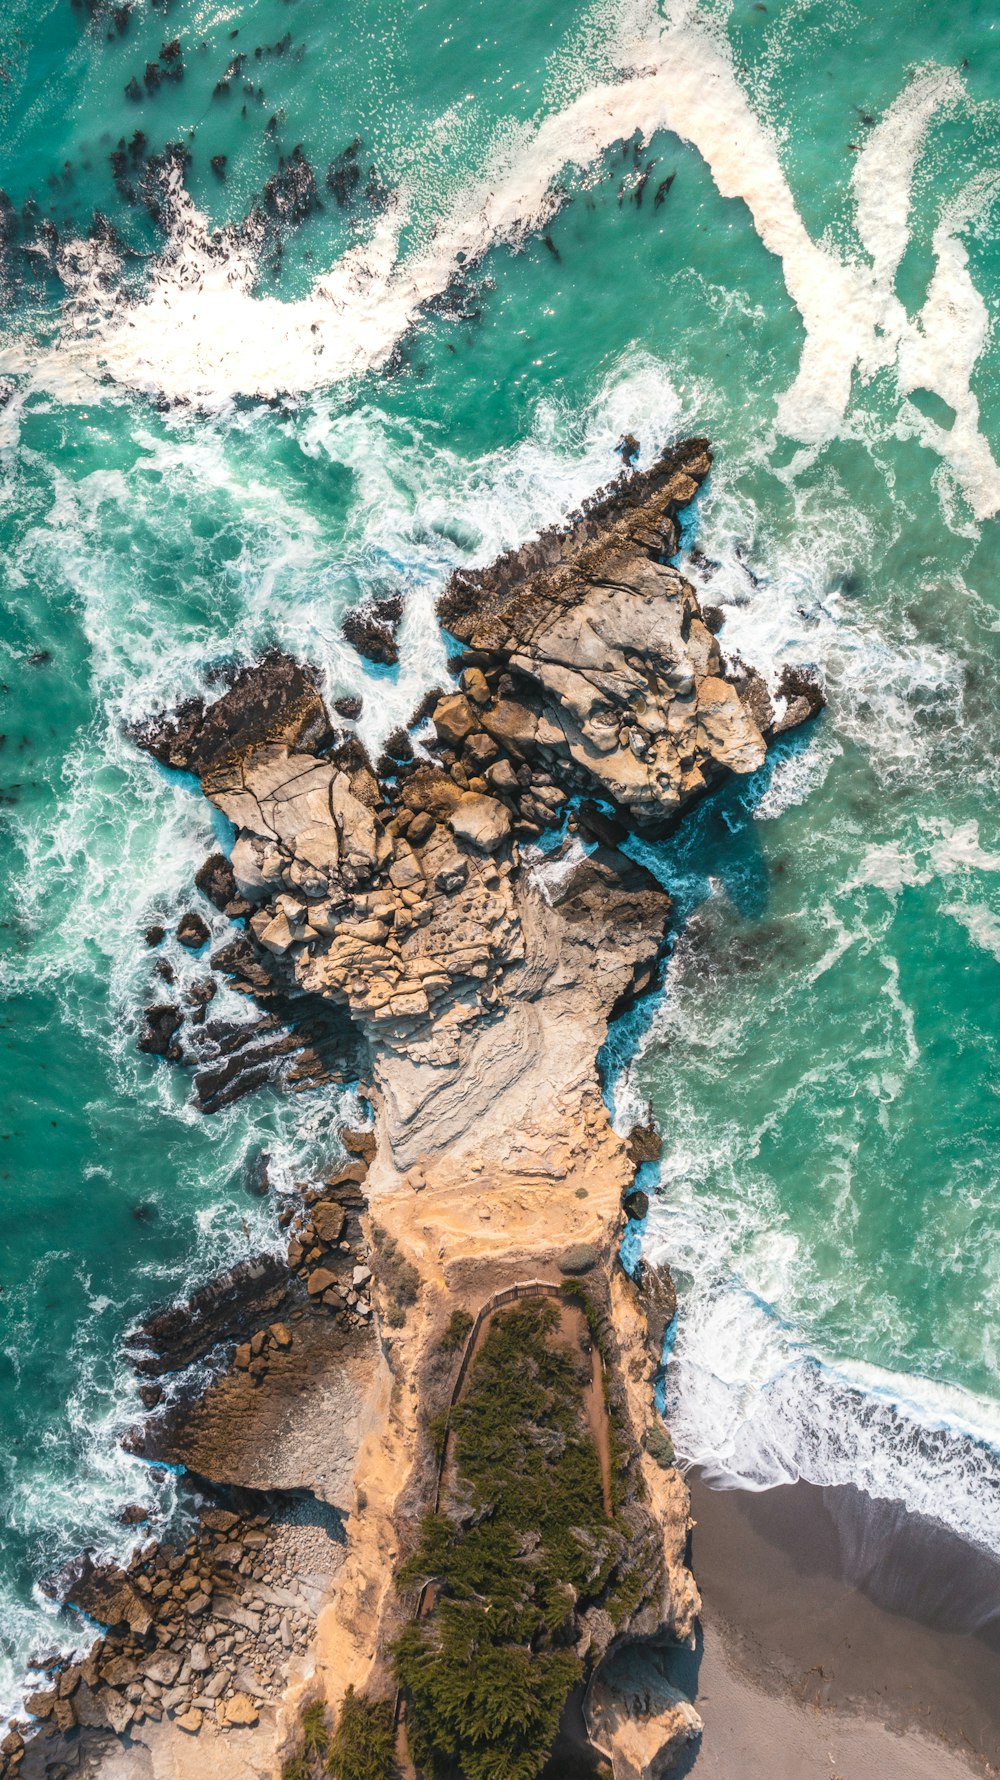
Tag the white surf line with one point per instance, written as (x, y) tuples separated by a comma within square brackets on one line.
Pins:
[(201, 335)]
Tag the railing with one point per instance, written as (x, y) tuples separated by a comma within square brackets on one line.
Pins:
[(532, 1288)]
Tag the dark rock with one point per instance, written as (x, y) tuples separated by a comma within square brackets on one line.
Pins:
[(803, 693), (103, 1591), (236, 1302), (645, 1144), (192, 931), (371, 629), (132, 1515), (636, 1204), (215, 880), (155, 934), (157, 1035), (351, 706), (580, 1258), (256, 1179), (276, 699)]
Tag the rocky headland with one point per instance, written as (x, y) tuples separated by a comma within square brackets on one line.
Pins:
[(455, 925)]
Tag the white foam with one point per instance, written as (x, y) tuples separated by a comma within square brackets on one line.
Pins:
[(756, 1406), (981, 924), (202, 334)]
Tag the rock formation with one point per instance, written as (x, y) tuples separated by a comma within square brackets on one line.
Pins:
[(467, 914)]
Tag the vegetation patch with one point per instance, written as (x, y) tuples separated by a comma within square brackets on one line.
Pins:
[(363, 1744), (399, 1278), (660, 1446), (525, 1546), (458, 1331)]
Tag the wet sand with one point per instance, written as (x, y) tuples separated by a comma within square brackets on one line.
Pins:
[(842, 1640)]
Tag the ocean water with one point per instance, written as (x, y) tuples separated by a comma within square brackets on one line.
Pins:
[(778, 224)]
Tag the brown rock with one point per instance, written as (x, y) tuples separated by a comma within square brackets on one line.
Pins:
[(481, 821), (320, 1280), (41, 1704), (281, 1335), (192, 931), (453, 719), (239, 1710), (329, 1220), (475, 687)]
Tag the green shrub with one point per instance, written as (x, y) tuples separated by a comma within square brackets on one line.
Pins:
[(437, 1432), (399, 1278), (659, 1445), (364, 1742), (296, 1768), (315, 1736), (457, 1332), (488, 1672)]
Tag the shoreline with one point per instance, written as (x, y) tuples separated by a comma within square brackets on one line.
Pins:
[(841, 1637)]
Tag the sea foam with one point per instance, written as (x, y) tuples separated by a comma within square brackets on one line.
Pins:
[(201, 333)]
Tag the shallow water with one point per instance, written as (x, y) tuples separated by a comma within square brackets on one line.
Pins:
[(816, 290)]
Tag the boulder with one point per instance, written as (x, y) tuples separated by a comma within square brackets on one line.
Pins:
[(163, 1667), (481, 821), (579, 1259), (274, 699), (453, 719), (215, 879), (371, 630), (239, 1710), (157, 1036), (329, 1220), (192, 931), (635, 1718)]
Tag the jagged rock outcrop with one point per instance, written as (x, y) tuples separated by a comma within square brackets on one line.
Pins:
[(636, 1718), (589, 654), (478, 973)]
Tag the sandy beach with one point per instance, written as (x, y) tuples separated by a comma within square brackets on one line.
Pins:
[(841, 1640)]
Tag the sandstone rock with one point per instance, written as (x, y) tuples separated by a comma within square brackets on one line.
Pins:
[(635, 1718), (42, 1703), (453, 719), (482, 821), (190, 1721), (219, 1520), (239, 1710), (280, 1334), (328, 1221), (320, 1280), (163, 1667)]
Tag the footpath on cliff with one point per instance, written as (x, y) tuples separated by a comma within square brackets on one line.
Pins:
[(455, 926)]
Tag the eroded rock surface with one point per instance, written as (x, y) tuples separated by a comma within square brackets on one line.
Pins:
[(477, 971), (641, 1723)]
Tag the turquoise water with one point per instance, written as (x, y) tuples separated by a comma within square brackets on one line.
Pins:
[(823, 1061)]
